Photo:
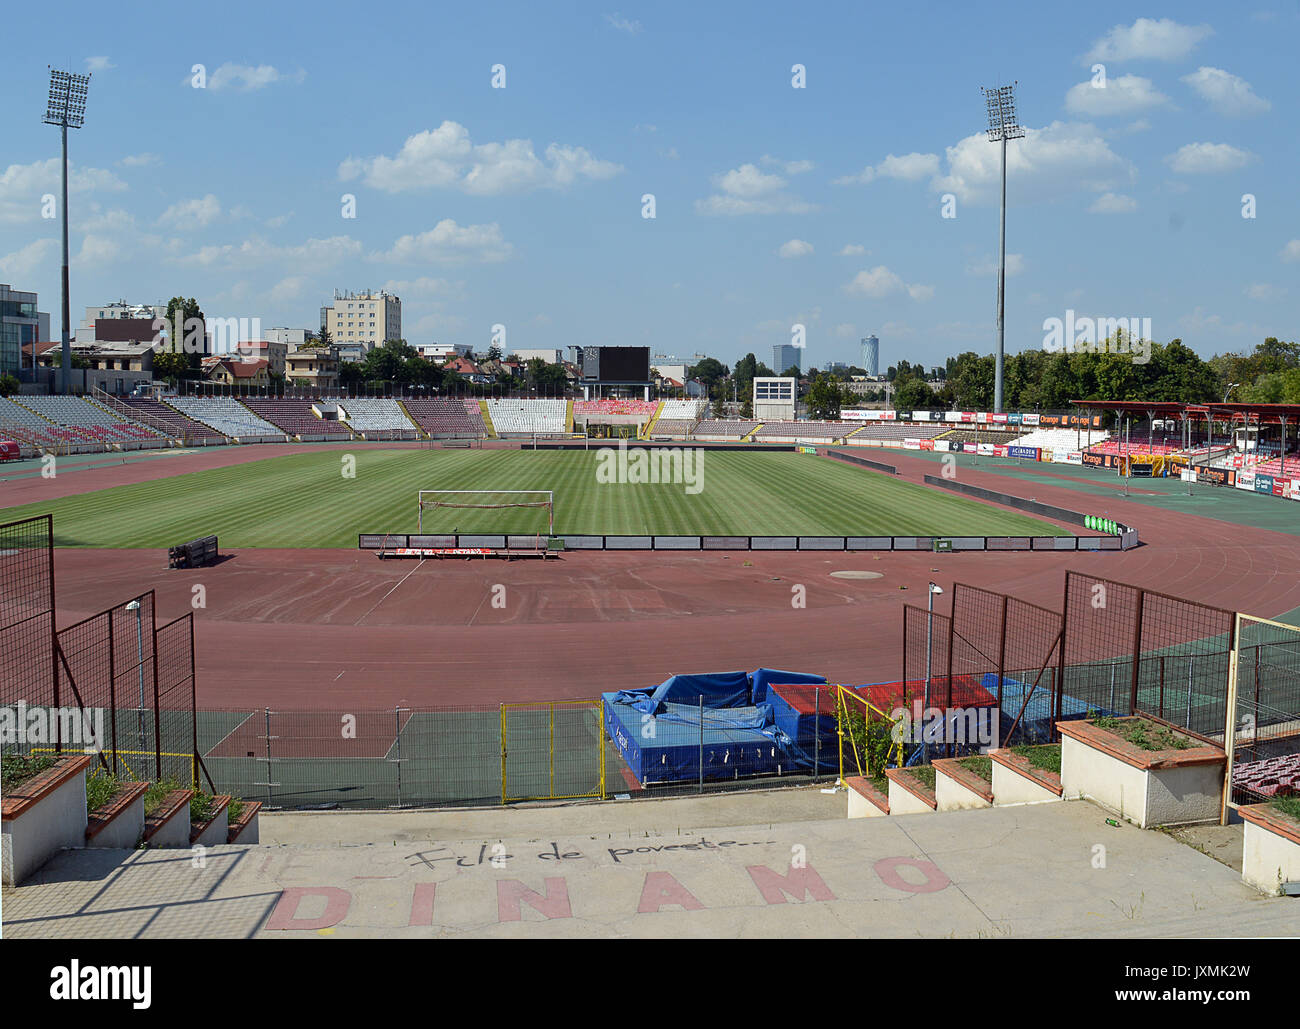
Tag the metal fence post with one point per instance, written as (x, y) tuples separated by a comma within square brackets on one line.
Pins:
[(268, 757), (817, 731), (397, 744), (701, 742), (1191, 663)]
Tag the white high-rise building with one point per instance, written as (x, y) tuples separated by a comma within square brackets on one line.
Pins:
[(359, 322), (871, 355)]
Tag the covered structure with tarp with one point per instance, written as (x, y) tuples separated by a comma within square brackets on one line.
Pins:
[(710, 726)]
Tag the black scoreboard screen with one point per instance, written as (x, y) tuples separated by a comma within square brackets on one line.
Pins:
[(616, 364)]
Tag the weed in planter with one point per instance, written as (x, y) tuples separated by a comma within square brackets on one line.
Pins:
[(202, 805), (924, 774), (981, 766), (1287, 805), (101, 788), (1142, 733), (157, 793), (1046, 757), (234, 809), (16, 769)]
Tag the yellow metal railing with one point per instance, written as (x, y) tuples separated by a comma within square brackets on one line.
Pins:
[(529, 737), (848, 702)]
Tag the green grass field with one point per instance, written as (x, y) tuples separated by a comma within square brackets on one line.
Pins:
[(304, 500)]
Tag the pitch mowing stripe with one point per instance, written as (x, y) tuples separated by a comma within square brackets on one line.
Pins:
[(304, 500)]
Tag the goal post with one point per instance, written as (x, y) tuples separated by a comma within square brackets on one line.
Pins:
[(487, 500)]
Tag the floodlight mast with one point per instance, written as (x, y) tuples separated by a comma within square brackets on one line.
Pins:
[(1002, 126), (66, 108)]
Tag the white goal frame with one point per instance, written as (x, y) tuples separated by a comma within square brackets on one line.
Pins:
[(548, 502)]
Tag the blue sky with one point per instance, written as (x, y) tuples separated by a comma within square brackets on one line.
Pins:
[(774, 205)]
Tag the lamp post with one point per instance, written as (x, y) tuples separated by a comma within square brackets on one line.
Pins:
[(929, 640), (1002, 126), (66, 108)]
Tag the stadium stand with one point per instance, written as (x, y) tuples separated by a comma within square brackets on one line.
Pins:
[(377, 418), (1277, 466), (447, 416), (607, 405), (525, 417), (1114, 446), (296, 418), (164, 419), (18, 423), (684, 409), (899, 430), (807, 430), (228, 416), (101, 424), (725, 428), (997, 437), (1062, 439), (674, 426)]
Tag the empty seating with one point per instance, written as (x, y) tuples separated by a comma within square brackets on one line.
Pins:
[(806, 430), (447, 416), (164, 418), (227, 415), (683, 409), (18, 423), (525, 417), (727, 428), (1068, 440), (93, 421), (900, 430), (297, 418), (609, 405), (673, 426), (1279, 467), (377, 418)]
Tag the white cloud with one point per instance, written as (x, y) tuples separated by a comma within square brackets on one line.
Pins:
[(23, 185), (449, 243), (1263, 291), (1113, 203), (139, 160), (845, 331), (447, 158), (316, 254), (1148, 39), (852, 250), (192, 214), (789, 167), (246, 78), (747, 190), (97, 250), (94, 64), (424, 286), (623, 24), (880, 282), (1227, 94), (289, 288), (1122, 94), (1208, 158), (1048, 163), (908, 167), (23, 263), (1291, 252), (278, 220), (989, 265), (795, 248)]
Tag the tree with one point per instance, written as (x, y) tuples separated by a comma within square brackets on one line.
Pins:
[(181, 311), (825, 397), (9, 385), (709, 371), (494, 353), (170, 366)]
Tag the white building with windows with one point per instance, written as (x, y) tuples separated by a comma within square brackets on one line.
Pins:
[(774, 398), (359, 322)]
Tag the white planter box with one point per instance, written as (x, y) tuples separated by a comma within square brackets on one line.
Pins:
[(1271, 851), (959, 789), (170, 826), (1147, 788), (121, 827), (43, 816), (217, 830), (247, 830), (1016, 782), (907, 799), (864, 800)]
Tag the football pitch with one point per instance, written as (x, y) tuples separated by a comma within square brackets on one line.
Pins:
[(325, 498)]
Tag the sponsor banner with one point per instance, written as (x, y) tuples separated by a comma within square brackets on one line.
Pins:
[(941, 444), (983, 417), (986, 448), (952, 416), (441, 551), (1288, 485), (927, 444), (888, 416), (936, 416), (968, 416), (1000, 451), (1281, 487), (806, 450), (859, 416), (911, 444), (1074, 457), (1000, 419), (1236, 460), (1026, 453), (969, 448), (1045, 455), (1263, 484), (1139, 471), (1246, 480), (1094, 460), (1030, 419), (1216, 476), (1014, 418)]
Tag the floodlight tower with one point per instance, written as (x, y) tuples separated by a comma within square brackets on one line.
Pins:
[(1002, 126), (66, 108)]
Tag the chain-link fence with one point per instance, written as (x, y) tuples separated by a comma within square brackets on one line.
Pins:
[(1264, 746), (402, 757), (27, 643)]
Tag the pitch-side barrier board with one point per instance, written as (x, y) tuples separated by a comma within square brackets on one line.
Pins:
[(389, 544)]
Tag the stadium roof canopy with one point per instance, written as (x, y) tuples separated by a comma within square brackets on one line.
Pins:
[(1262, 413)]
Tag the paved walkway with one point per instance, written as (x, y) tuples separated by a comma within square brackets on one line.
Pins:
[(659, 869)]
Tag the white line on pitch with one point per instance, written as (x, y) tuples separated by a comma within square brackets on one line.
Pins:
[(399, 582)]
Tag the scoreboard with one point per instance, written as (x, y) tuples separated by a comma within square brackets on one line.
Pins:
[(616, 364)]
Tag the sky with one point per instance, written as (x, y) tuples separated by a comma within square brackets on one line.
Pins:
[(801, 159)]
